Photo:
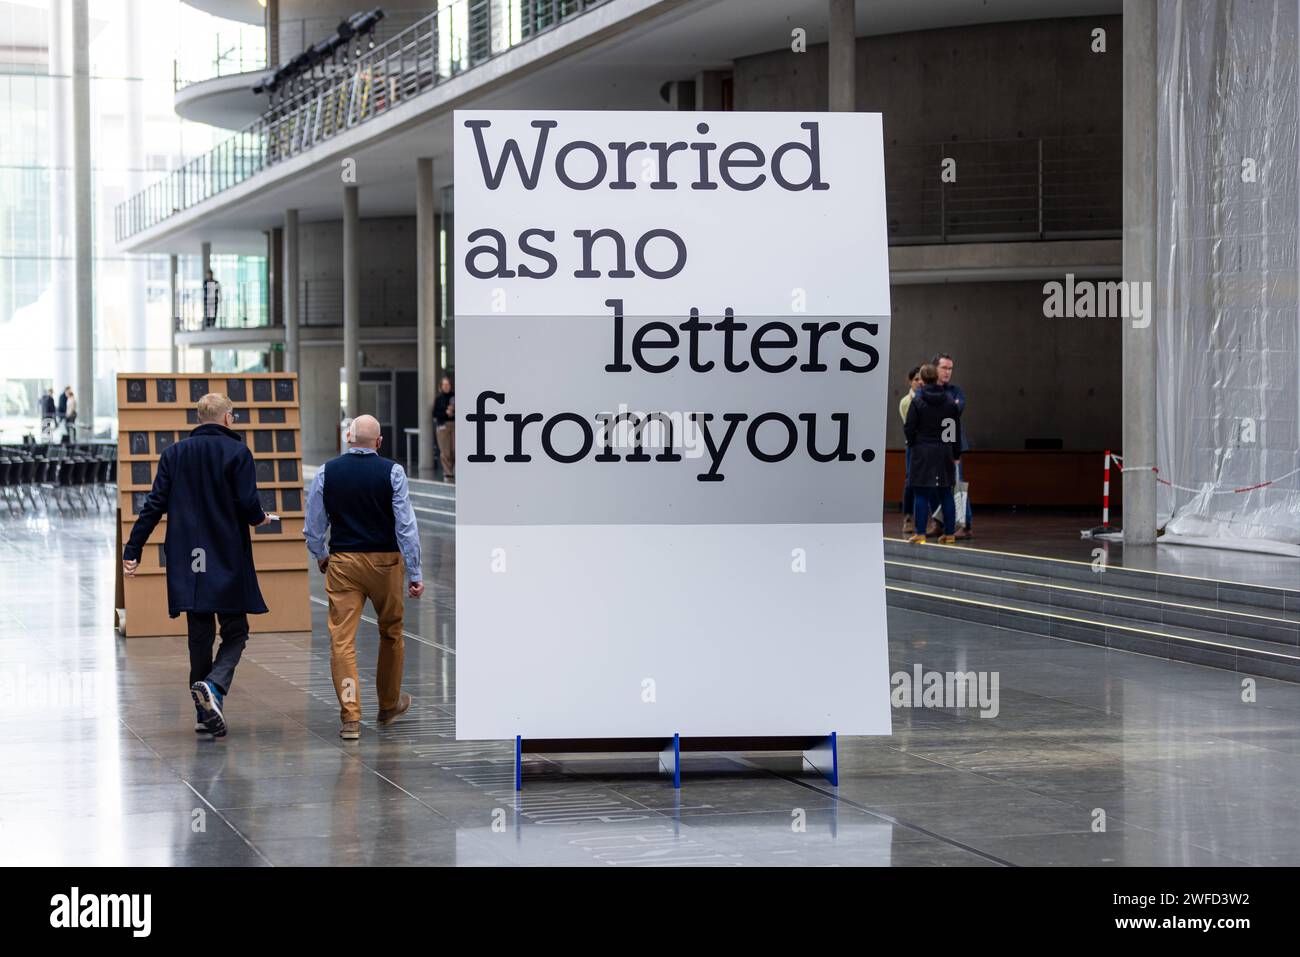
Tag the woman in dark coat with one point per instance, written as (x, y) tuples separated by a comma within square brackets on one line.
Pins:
[(933, 431)]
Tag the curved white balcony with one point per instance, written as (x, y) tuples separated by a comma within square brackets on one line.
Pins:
[(245, 11), (225, 101)]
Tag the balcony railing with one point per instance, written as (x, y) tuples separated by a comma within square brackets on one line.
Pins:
[(446, 43), (242, 305), (243, 51), (998, 190)]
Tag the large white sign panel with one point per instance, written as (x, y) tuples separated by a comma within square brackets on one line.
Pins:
[(672, 345)]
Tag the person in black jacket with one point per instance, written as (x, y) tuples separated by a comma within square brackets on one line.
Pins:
[(933, 431), (207, 487), (444, 426)]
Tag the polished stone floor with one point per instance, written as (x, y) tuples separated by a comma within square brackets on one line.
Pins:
[(101, 765)]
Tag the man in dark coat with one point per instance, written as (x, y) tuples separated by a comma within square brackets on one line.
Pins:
[(943, 362), (207, 487), (933, 431)]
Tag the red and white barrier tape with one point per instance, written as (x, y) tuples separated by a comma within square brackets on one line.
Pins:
[(1119, 462)]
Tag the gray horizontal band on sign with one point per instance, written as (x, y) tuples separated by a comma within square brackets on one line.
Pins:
[(508, 366)]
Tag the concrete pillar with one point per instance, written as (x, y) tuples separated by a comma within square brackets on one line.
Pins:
[(290, 284), (173, 266), (426, 272), (62, 271), (275, 276), (272, 33), (352, 297), (842, 46), (1139, 264), (82, 212), (205, 263), (130, 303), (708, 89)]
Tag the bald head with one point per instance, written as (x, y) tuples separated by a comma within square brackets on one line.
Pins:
[(365, 432), (213, 407)]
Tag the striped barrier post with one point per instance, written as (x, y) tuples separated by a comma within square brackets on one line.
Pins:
[(1105, 492)]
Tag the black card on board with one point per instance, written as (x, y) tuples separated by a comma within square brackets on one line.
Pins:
[(261, 390), (163, 439), (140, 473), (198, 389), (291, 499), (166, 390), (288, 470), (135, 391), (265, 470), (283, 390), (139, 443), (262, 441), (271, 416), (267, 497), (237, 390), (285, 440)]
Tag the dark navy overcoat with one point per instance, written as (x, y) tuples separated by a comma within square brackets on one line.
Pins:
[(207, 487), (933, 415)]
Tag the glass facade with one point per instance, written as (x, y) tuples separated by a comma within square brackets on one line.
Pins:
[(135, 137)]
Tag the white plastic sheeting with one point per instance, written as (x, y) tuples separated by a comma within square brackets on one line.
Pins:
[(1229, 272)]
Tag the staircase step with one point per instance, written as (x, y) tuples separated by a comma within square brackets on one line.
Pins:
[(1100, 596), (1234, 596), (1242, 655), (1236, 626)]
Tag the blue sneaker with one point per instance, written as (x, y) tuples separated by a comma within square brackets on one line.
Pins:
[(208, 700), (200, 727)]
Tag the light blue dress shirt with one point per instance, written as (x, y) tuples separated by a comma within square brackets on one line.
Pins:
[(408, 536)]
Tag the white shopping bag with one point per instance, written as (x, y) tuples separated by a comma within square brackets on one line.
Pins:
[(961, 491)]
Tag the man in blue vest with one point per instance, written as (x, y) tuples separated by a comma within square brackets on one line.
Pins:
[(363, 501)]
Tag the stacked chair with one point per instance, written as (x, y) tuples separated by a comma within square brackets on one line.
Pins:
[(75, 476)]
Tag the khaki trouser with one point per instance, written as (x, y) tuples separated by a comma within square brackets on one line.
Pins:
[(446, 436), (351, 578)]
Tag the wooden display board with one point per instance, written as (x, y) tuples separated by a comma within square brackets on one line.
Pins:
[(155, 410)]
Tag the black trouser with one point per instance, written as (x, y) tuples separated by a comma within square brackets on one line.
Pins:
[(203, 634)]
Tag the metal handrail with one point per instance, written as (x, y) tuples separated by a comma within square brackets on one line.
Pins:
[(447, 42), (230, 58), (1016, 189)]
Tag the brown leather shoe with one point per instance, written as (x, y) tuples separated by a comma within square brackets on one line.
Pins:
[(389, 715), (350, 731)]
